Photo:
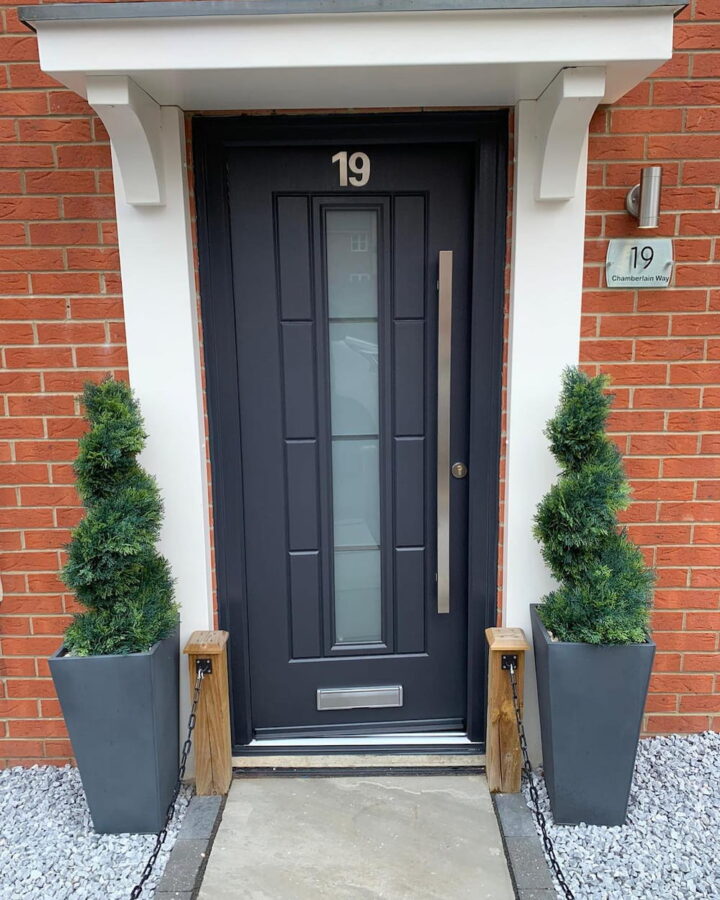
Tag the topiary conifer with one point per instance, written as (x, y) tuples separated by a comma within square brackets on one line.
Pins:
[(605, 588), (113, 566)]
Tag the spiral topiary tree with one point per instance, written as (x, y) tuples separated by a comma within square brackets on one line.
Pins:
[(113, 566), (605, 588)]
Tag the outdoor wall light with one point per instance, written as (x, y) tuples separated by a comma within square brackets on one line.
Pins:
[(643, 200)]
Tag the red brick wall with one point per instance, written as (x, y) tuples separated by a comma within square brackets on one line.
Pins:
[(662, 348), (61, 323)]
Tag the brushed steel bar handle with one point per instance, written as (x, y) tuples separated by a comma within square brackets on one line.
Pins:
[(445, 273)]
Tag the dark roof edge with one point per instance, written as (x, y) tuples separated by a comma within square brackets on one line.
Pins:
[(77, 12)]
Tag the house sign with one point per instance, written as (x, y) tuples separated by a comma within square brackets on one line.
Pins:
[(639, 263)]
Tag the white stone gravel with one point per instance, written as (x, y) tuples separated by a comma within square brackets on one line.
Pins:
[(670, 847), (49, 851)]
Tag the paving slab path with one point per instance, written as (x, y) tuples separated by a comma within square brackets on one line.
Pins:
[(356, 838)]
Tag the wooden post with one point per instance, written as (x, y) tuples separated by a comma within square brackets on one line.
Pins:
[(504, 761), (213, 751)]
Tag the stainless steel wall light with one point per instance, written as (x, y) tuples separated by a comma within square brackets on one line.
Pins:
[(643, 200)]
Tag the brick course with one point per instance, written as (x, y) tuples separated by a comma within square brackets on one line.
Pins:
[(61, 323)]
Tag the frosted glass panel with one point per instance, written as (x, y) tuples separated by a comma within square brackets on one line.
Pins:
[(356, 493), (357, 596), (351, 237), (354, 377), (351, 253)]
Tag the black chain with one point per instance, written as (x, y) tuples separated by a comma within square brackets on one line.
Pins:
[(534, 796), (162, 834)]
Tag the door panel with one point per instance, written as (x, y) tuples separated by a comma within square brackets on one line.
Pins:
[(336, 317), (328, 552)]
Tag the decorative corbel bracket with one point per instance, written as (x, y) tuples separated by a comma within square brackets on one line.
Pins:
[(133, 121), (564, 111)]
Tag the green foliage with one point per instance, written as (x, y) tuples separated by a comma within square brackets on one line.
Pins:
[(605, 587), (113, 566)]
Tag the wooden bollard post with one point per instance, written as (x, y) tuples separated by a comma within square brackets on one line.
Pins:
[(213, 750), (504, 761)]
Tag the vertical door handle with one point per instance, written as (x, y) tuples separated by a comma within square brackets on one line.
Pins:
[(445, 266)]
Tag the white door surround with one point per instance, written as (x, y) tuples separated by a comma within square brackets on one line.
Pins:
[(140, 65)]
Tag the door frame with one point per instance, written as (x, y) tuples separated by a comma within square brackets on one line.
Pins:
[(488, 130)]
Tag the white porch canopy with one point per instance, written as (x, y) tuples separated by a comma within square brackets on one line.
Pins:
[(140, 65)]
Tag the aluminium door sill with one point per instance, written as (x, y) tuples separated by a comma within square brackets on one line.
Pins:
[(402, 750), (407, 739)]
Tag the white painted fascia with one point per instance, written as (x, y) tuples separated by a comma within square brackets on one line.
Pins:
[(546, 271), (163, 346)]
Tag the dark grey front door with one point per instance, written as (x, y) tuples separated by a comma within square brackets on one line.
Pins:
[(351, 282)]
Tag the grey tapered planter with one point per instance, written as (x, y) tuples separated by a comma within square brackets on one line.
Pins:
[(591, 701), (122, 715)]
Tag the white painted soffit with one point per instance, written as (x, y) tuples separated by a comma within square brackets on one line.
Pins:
[(475, 57)]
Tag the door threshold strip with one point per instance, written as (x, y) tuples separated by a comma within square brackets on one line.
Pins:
[(399, 750), (262, 771), (408, 739)]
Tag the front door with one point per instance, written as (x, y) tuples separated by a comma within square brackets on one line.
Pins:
[(349, 267)]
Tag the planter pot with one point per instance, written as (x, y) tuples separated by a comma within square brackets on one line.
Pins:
[(591, 701), (122, 715)]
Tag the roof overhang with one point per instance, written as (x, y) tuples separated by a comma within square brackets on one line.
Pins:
[(292, 54)]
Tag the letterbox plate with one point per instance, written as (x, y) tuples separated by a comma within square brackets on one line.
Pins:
[(360, 697)]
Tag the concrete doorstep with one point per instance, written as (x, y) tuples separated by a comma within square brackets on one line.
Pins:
[(357, 838)]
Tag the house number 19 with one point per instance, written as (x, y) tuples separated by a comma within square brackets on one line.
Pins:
[(646, 256), (357, 163)]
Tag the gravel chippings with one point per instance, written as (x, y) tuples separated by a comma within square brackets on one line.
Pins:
[(670, 847), (49, 851)]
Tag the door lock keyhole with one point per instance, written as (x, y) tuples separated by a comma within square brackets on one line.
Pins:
[(459, 470)]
